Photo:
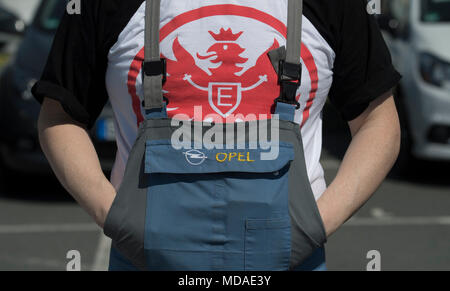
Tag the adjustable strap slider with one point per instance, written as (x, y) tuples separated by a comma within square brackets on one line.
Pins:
[(289, 78), (289, 72), (156, 68)]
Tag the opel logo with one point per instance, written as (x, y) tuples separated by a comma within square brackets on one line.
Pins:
[(195, 157)]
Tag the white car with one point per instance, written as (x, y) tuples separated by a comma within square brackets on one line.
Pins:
[(24, 9), (418, 35)]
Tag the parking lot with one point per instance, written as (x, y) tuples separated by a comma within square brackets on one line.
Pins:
[(407, 221)]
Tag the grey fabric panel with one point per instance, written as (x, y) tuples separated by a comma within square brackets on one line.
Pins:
[(125, 223), (276, 56), (153, 94), (308, 231), (294, 32)]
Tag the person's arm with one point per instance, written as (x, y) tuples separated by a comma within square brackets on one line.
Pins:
[(73, 158), (369, 158)]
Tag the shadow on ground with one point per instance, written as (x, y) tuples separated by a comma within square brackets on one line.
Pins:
[(45, 188)]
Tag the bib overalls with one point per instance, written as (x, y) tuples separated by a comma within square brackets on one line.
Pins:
[(216, 206)]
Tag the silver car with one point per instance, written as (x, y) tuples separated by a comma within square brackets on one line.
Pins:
[(418, 35)]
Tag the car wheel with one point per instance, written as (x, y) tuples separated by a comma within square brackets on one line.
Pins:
[(6, 175), (3, 177)]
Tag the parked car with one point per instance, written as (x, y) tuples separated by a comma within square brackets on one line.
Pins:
[(418, 35), (11, 31), (19, 146), (24, 9)]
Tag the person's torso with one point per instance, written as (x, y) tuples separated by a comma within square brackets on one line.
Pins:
[(218, 70)]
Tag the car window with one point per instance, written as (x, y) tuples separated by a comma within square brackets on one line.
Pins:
[(4, 15), (400, 10), (49, 14), (435, 11)]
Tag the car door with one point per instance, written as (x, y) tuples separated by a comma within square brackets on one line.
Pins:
[(400, 32), (11, 28)]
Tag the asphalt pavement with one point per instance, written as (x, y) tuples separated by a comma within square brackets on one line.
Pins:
[(407, 221)]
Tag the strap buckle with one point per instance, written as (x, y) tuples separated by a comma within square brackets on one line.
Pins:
[(164, 98), (156, 68), (289, 78)]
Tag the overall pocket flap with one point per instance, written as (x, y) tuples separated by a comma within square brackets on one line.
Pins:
[(161, 157)]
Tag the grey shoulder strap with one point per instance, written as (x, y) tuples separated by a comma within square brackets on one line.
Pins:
[(294, 31), (287, 60), (153, 66)]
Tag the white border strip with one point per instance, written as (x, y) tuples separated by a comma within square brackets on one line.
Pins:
[(101, 259), (400, 221), (42, 228)]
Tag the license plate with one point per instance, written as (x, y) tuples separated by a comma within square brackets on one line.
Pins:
[(3, 59), (105, 130)]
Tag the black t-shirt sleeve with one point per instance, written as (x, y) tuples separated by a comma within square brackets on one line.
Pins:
[(363, 68), (75, 70)]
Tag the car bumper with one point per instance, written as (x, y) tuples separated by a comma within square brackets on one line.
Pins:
[(428, 107), (24, 161)]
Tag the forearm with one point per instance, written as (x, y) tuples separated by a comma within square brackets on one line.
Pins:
[(368, 160), (74, 160)]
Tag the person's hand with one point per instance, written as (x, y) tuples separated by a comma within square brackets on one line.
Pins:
[(324, 214), (104, 207)]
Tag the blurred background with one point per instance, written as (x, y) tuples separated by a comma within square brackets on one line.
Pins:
[(407, 221)]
